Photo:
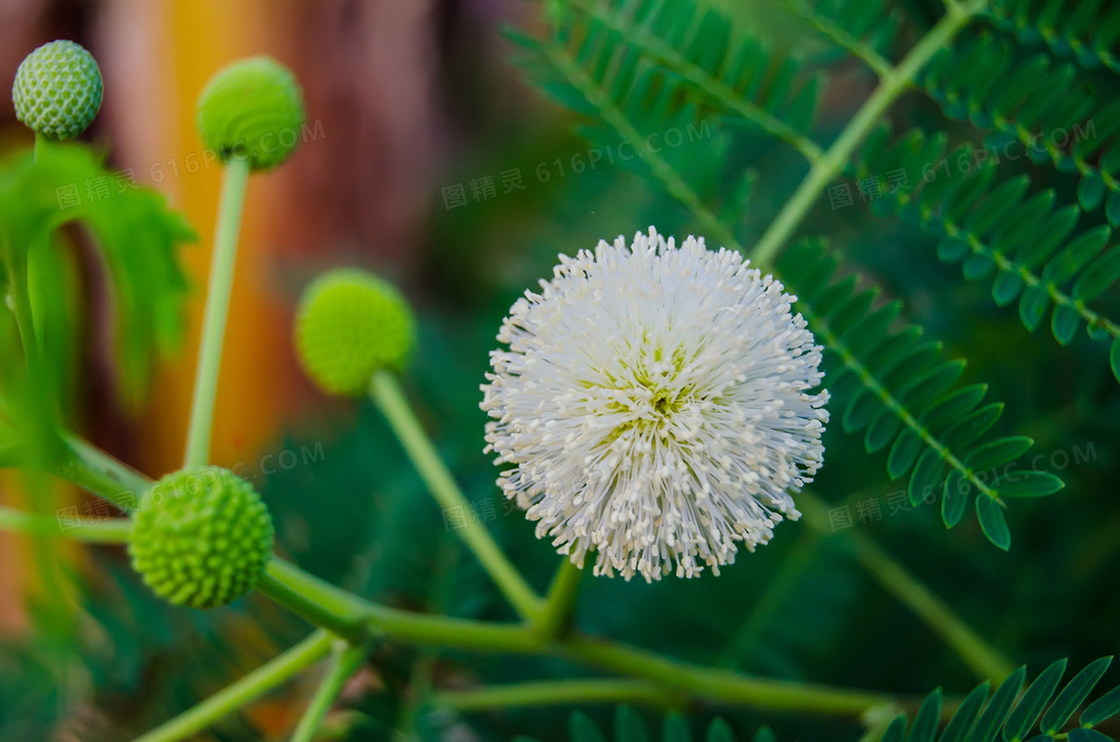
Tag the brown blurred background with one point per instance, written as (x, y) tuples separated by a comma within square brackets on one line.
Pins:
[(382, 125)]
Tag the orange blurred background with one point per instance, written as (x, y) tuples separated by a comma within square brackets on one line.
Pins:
[(356, 191)]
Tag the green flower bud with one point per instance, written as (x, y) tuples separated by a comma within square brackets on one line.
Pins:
[(57, 90), (351, 324), (201, 537), (254, 109)]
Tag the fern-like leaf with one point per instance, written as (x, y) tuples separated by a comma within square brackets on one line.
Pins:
[(697, 57), (865, 29), (1089, 31), (1033, 107), (1012, 711), (1031, 247), (895, 387)]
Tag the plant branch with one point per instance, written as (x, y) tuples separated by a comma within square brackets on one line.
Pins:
[(717, 90), (347, 660), (110, 531), (560, 602), (985, 660), (388, 396), (244, 691), (234, 183), (892, 83), (350, 615), (556, 693)]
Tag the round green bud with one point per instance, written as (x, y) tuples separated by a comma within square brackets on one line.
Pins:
[(351, 324), (57, 90), (253, 109), (201, 537)]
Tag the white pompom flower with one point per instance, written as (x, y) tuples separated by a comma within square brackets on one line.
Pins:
[(657, 403)]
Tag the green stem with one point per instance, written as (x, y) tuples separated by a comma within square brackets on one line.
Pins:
[(347, 660), (556, 693), (99, 473), (345, 613), (892, 83), (244, 691), (315, 600), (388, 396), (112, 531), (984, 660), (223, 261), (560, 602), (722, 685)]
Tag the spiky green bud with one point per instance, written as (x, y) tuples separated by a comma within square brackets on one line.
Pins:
[(351, 324), (254, 109), (57, 91), (201, 537)]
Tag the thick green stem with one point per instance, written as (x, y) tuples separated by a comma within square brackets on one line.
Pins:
[(244, 691), (223, 261), (347, 660), (111, 531), (892, 83), (560, 602), (722, 685), (319, 602), (556, 693), (347, 614), (388, 396)]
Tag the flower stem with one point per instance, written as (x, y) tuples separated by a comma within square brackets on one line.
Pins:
[(349, 615), (110, 531), (984, 659), (244, 691), (234, 183), (556, 693), (347, 660), (892, 83), (388, 396), (560, 602)]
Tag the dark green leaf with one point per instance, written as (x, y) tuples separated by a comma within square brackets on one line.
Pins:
[(1073, 695), (992, 521)]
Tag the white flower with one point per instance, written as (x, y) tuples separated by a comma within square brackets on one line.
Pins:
[(657, 404)]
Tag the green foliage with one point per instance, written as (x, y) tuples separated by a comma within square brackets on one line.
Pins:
[(136, 233), (1089, 32), (1012, 711), (1034, 250), (1034, 107), (892, 383)]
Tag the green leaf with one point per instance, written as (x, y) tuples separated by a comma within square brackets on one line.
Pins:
[(926, 477), (992, 521), (997, 710), (954, 499), (762, 735), (1087, 735), (1027, 711), (675, 728), (1114, 358), (583, 729), (1073, 695), (1029, 484), (927, 720), (958, 727), (896, 731), (998, 452), (1102, 709), (628, 726)]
